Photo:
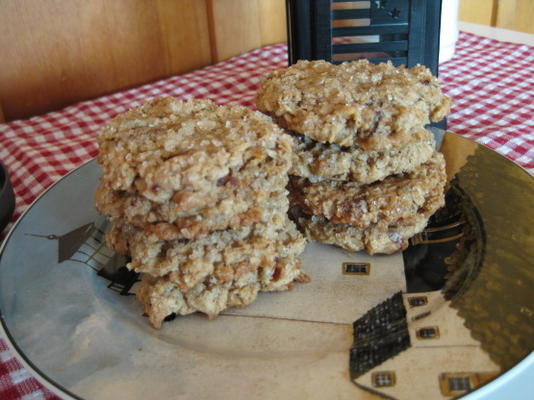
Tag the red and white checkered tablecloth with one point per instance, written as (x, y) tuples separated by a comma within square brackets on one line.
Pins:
[(491, 83)]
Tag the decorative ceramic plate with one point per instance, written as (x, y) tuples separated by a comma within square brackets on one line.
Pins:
[(452, 314)]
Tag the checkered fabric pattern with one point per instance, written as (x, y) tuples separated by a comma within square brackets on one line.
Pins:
[(492, 87), (491, 83)]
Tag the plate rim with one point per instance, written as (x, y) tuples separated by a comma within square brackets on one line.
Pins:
[(12, 345)]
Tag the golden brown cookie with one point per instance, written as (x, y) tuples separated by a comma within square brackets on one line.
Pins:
[(232, 208), (187, 152), (388, 201), (222, 255), (314, 160), (373, 239), (372, 106), (161, 297)]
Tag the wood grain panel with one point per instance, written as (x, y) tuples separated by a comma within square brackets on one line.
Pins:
[(56, 52), (272, 15), (184, 33), (517, 15), (481, 12), (237, 26)]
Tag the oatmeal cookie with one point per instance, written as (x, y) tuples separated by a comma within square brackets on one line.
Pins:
[(170, 150), (171, 220), (223, 255), (373, 106), (314, 160), (373, 239), (387, 201), (161, 297)]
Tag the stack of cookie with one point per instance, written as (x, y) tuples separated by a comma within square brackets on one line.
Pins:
[(365, 173), (197, 198)]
